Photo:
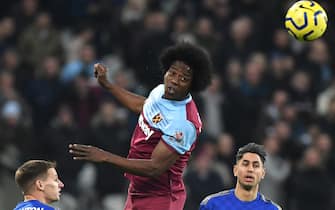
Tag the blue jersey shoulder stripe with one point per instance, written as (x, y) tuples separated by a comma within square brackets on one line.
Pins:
[(222, 193), (270, 201)]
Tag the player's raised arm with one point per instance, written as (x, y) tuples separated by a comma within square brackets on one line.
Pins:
[(132, 101)]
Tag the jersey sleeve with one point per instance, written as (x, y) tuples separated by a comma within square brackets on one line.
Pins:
[(205, 204), (276, 207), (204, 207), (180, 135)]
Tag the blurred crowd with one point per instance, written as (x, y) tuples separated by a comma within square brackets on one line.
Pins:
[(267, 88)]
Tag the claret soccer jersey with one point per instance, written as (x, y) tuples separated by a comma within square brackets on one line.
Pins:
[(177, 124)]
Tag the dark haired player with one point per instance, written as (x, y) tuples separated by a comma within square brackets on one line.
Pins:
[(167, 129), (249, 170)]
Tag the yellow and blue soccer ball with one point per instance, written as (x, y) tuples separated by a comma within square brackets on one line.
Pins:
[(306, 20)]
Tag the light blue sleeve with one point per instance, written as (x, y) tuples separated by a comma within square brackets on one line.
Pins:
[(180, 135)]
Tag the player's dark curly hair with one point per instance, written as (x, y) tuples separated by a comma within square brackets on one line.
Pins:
[(195, 57), (252, 148)]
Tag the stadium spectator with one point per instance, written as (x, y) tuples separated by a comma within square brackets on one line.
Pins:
[(310, 186), (39, 40), (201, 178), (277, 171)]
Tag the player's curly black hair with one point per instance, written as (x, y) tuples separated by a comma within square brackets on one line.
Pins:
[(195, 57), (252, 148)]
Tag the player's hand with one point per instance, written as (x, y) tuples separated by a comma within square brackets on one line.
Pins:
[(100, 72), (87, 152)]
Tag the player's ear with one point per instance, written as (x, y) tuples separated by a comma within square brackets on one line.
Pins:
[(263, 173), (39, 184), (235, 170)]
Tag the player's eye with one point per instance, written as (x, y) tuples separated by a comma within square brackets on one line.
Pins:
[(171, 73), (256, 165)]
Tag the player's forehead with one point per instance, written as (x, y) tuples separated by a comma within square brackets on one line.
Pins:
[(182, 67), (251, 157), (52, 173)]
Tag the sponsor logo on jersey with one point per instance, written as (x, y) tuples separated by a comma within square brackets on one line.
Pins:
[(145, 128)]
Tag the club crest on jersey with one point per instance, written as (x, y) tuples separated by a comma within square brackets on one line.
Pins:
[(157, 118), (178, 136)]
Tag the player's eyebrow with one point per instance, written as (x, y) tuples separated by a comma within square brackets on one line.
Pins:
[(258, 162), (183, 66), (248, 161), (186, 74)]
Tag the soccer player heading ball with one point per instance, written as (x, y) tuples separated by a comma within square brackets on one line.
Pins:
[(167, 129)]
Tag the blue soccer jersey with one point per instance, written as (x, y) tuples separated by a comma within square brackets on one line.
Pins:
[(33, 205), (226, 200)]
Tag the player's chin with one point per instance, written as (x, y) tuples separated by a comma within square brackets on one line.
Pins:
[(247, 186), (169, 95), (57, 197)]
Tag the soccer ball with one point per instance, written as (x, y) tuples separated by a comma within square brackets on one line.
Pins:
[(306, 20)]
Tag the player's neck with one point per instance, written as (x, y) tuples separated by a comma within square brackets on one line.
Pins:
[(246, 195), (34, 197)]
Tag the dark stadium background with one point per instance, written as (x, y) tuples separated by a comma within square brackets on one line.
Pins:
[(268, 88)]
